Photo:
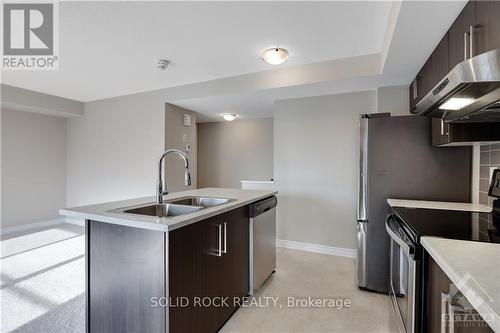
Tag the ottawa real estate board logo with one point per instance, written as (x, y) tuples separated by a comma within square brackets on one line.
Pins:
[(30, 35)]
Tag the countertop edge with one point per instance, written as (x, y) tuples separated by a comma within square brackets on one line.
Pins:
[(148, 223), (442, 205), (468, 292)]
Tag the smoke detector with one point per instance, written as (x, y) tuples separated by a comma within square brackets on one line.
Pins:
[(163, 64)]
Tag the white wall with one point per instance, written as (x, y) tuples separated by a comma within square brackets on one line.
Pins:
[(33, 167), (113, 149), (315, 166), (229, 152)]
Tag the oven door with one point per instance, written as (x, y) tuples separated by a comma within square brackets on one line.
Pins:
[(402, 276)]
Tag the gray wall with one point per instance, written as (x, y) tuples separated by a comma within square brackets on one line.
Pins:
[(489, 158), (113, 149), (33, 167), (229, 152), (394, 99), (177, 136), (28, 100), (315, 166)]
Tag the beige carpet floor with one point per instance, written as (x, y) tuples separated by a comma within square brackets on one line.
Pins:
[(42, 286), (300, 275)]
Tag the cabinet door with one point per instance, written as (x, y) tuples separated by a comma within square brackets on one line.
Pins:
[(208, 261), (236, 258), (425, 79), (487, 33), (456, 35), (234, 270), (421, 85), (194, 277), (413, 94), (440, 132), (441, 292), (440, 61), (185, 257)]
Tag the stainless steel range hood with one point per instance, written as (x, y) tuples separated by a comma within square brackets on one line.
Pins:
[(469, 93)]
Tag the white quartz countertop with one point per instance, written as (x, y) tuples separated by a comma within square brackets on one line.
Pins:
[(101, 212), (469, 207), (474, 267)]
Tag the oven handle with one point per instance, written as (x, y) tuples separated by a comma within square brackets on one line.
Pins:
[(392, 229)]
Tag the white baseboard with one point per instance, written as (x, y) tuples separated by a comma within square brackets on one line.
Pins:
[(316, 248), (41, 224)]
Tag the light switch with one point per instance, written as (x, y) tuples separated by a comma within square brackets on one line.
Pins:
[(187, 120)]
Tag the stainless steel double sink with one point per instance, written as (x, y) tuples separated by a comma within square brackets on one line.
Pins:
[(174, 207)]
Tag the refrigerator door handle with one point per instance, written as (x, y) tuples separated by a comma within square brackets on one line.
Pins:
[(362, 211), (361, 255)]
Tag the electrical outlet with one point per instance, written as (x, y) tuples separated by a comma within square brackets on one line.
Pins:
[(492, 169)]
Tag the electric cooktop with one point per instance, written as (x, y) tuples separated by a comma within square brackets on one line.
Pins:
[(462, 225)]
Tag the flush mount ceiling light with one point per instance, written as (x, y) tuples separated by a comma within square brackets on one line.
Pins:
[(229, 116), (456, 103), (275, 55)]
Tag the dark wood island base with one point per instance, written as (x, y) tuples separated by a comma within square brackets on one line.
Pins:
[(133, 275)]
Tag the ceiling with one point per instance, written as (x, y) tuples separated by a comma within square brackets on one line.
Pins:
[(110, 49)]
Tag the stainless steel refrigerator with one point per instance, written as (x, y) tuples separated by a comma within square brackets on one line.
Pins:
[(397, 160)]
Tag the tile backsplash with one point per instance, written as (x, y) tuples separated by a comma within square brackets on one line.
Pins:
[(489, 158)]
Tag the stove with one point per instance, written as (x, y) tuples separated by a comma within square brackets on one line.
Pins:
[(461, 225), (408, 268), (408, 259)]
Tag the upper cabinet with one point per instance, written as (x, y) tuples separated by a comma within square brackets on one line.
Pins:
[(487, 32), (458, 35), (440, 61), (476, 30)]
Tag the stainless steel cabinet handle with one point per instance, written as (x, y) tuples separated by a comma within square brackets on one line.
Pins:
[(415, 88), (225, 238), (442, 128), (219, 240), (466, 34), (472, 50), (445, 299)]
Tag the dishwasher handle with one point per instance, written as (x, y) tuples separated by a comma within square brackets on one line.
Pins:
[(263, 206)]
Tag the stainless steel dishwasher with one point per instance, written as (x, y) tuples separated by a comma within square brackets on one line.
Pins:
[(262, 241)]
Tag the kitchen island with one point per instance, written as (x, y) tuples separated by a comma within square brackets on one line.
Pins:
[(182, 269)]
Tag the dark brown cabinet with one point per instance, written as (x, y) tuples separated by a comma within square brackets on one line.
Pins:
[(463, 133), (487, 32), (476, 30), (425, 79), (422, 84), (442, 304), (439, 58), (434, 69), (440, 132), (458, 35), (413, 94), (208, 264)]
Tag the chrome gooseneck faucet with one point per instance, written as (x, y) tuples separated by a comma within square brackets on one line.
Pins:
[(161, 188)]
